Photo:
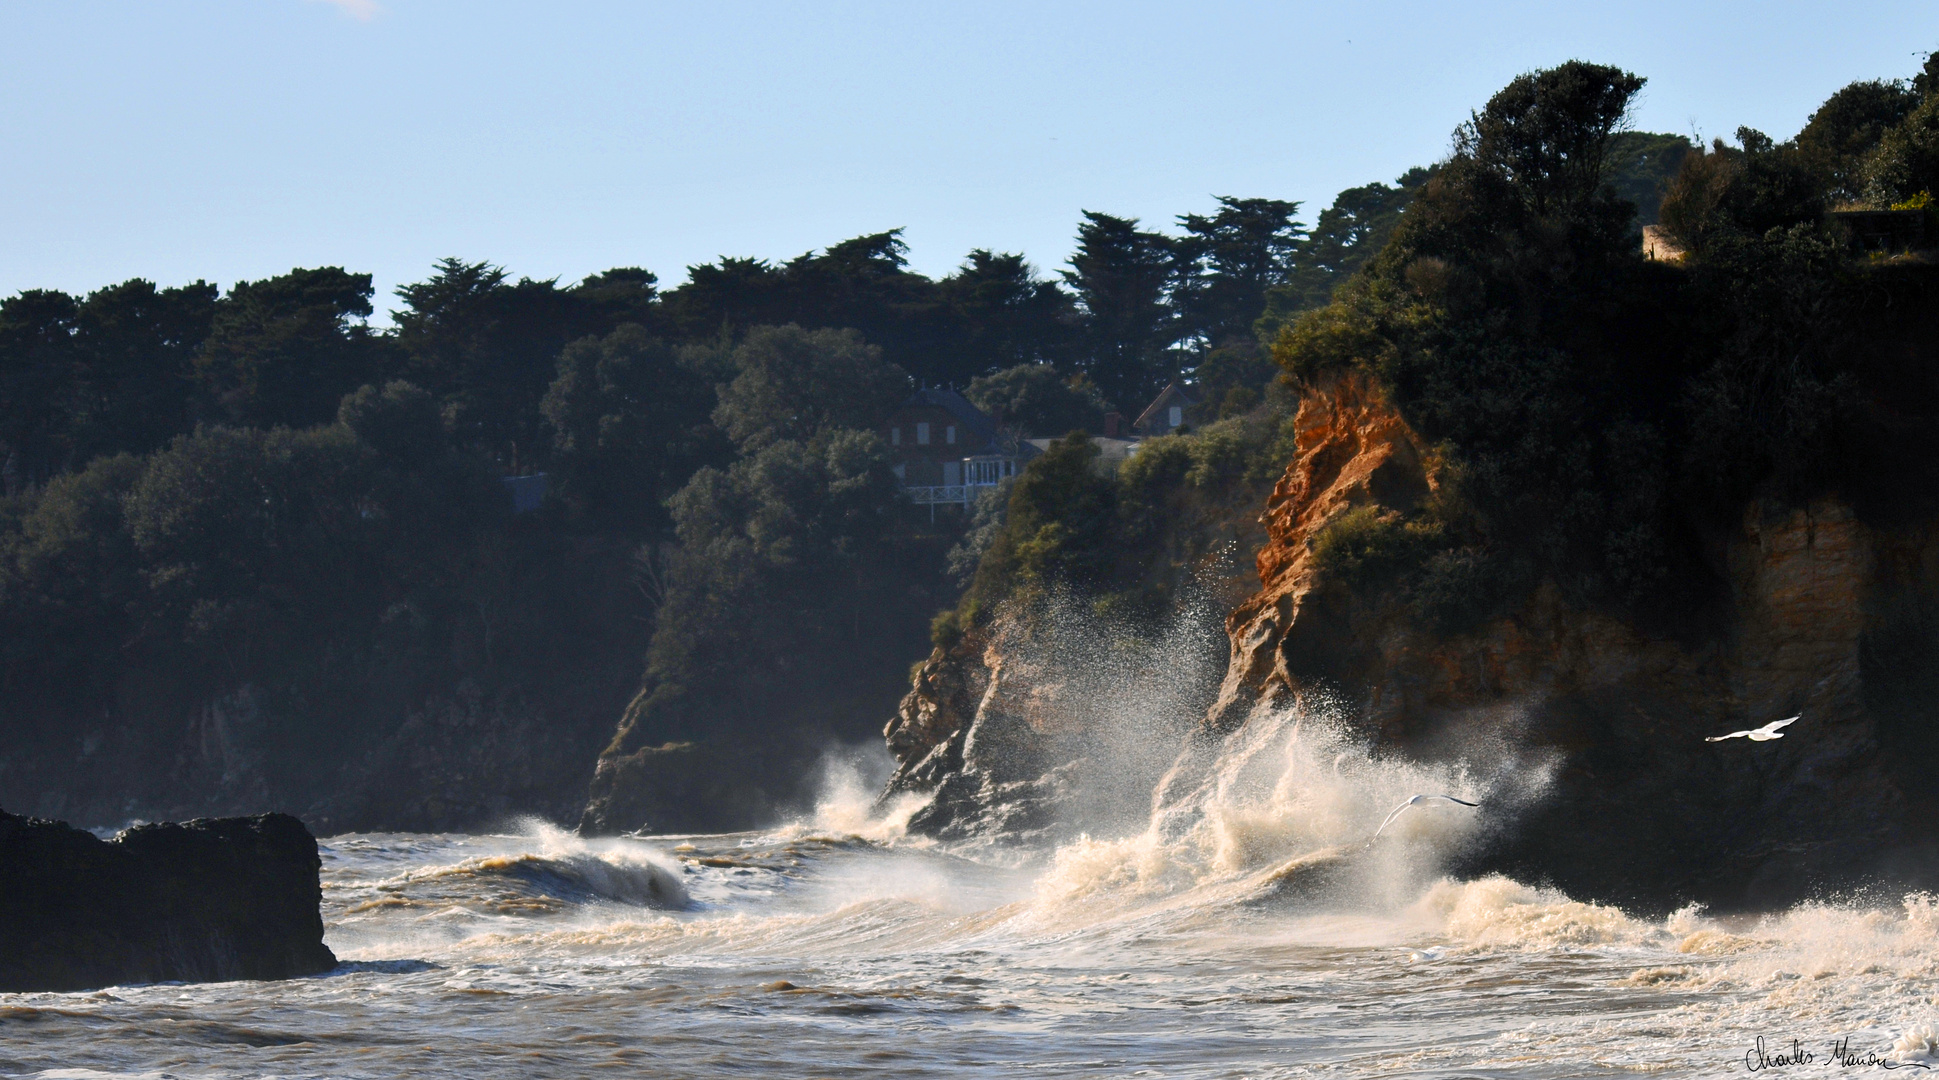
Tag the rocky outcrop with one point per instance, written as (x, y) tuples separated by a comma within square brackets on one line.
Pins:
[(1826, 616), (979, 732), (1039, 725), (1352, 449), (686, 786), (1642, 809), (657, 789), (200, 901)]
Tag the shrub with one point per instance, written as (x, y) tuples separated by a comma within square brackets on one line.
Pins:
[(947, 628), (1456, 590), (1367, 547), (1906, 161)]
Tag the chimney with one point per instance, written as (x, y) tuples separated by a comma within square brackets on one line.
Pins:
[(1114, 425)]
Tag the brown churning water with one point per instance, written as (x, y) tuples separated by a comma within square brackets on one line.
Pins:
[(1249, 930)]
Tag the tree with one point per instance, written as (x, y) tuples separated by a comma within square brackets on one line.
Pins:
[(1121, 275), (1846, 128), (622, 295), (1513, 322), (1037, 400), (1906, 162), (1059, 528), (628, 419), (488, 346), (137, 349), (1347, 234), (37, 385), (109, 373), (1547, 133), (401, 422), (1741, 192), (728, 296), (1001, 315), (1228, 262), (1926, 82), (795, 600), (1640, 167), (284, 350), (791, 383), (860, 284)]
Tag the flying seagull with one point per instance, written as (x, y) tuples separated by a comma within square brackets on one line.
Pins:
[(1416, 800), (1764, 734)]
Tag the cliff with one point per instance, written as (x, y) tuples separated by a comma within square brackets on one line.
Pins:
[(1641, 806), (1826, 616), (200, 901)]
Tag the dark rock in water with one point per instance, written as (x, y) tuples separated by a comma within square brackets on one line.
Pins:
[(667, 789), (200, 901)]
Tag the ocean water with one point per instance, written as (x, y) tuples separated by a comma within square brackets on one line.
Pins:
[(1249, 928)]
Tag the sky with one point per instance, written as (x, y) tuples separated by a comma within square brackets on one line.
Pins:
[(228, 140)]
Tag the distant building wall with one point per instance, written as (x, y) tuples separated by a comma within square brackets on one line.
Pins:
[(527, 492)]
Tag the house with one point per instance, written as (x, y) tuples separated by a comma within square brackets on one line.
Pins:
[(1166, 413), (931, 433), (946, 450)]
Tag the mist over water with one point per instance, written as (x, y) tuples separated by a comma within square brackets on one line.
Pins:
[(1212, 908)]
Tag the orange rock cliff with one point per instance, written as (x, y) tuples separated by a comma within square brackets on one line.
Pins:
[(1640, 808)]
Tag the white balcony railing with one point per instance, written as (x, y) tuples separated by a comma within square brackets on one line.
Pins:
[(944, 494), (930, 495)]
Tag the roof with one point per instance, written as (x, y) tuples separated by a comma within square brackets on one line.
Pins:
[(1109, 451), (1174, 389), (980, 427)]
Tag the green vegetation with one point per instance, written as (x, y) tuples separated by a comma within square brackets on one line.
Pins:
[(1367, 545), (1600, 420), (1131, 539), (254, 551), (1038, 398), (1605, 416)]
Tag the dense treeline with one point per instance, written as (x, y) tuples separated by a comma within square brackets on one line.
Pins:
[(255, 552), (1602, 418), (130, 366)]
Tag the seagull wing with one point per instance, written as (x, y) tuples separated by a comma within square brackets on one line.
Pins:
[(1775, 724), (1391, 817), (1721, 738), (1412, 801)]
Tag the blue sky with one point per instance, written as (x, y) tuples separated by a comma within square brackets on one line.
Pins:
[(235, 139)]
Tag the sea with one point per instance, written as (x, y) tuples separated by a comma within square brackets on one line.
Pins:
[(1252, 925)]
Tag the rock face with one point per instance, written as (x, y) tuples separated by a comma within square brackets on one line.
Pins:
[(665, 788), (1827, 617), (200, 901), (978, 731), (1641, 809), (678, 787)]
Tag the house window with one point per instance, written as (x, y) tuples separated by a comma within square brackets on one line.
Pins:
[(895, 436), (1177, 416), (922, 434), (949, 434)]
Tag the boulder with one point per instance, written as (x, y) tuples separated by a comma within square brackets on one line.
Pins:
[(198, 901)]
